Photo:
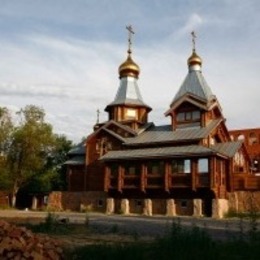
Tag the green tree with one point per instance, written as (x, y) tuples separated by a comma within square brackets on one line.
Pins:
[(6, 129), (32, 142), (52, 176), (56, 162)]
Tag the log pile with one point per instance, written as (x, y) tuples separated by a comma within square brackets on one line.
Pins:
[(21, 243)]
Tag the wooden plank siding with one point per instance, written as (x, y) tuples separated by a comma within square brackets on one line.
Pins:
[(245, 181)]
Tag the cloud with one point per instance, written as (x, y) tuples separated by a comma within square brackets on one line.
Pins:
[(193, 22), (64, 56)]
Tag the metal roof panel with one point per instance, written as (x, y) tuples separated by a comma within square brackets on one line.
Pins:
[(158, 134), (196, 85), (175, 151)]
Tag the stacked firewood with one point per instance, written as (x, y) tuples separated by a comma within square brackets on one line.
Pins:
[(21, 243)]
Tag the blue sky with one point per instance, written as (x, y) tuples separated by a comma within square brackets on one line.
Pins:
[(63, 56)]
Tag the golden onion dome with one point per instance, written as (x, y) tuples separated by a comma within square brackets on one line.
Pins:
[(194, 59), (128, 68)]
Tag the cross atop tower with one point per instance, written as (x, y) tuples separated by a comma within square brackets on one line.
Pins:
[(193, 35), (130, 33)]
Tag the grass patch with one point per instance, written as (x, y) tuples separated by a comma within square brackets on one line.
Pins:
[(51, 225)]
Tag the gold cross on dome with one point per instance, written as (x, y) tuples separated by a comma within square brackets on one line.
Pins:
[(193, 35), (130, 33)]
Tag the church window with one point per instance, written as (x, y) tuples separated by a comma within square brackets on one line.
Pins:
[(203, 165), (180, 116), (241, 137), (196, 115), (98, 145), (100, 203), (184, 203), (133, 169), (131, 113), (212, 141), (155, 167), (180, 166), (252, 139), (239, 162), (114, 170), (188, 118)]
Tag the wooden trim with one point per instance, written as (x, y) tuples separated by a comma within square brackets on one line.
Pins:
[(166, 176), (120, 178), (213, 167), (107, 178), (69, 172), (231, 174), (193, 174), (143, 177), (85, 178)]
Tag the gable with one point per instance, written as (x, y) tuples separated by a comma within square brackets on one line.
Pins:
[(114, 129)]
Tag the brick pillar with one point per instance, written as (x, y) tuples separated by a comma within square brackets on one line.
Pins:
[(34, 203), (219, 208), (170, 208), (110, 206), (197, 208), (125, 209), (148, 207)]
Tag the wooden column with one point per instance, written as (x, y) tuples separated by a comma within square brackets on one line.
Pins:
[(143, 177), (110, 206), (125, 209), (166, 176), (230, 174), (213, 170), (193, 174), (170, 208), (68, 176), (148, 207), (85, 178), (34, 203), (197, 208), (120, 178), (107, 178)]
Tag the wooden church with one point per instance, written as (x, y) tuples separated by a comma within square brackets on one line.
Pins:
[(187, 167)]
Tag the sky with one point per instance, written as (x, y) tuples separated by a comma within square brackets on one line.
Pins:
[(63, 56)]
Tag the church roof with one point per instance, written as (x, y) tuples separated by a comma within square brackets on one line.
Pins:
[(128, 93), (158, 134), (76, 160), (79, 149), (229, 149), (196, 85), (174, 151), (225, 149)]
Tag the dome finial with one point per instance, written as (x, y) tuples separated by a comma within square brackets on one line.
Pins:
[(194, 59), (129, 67)]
